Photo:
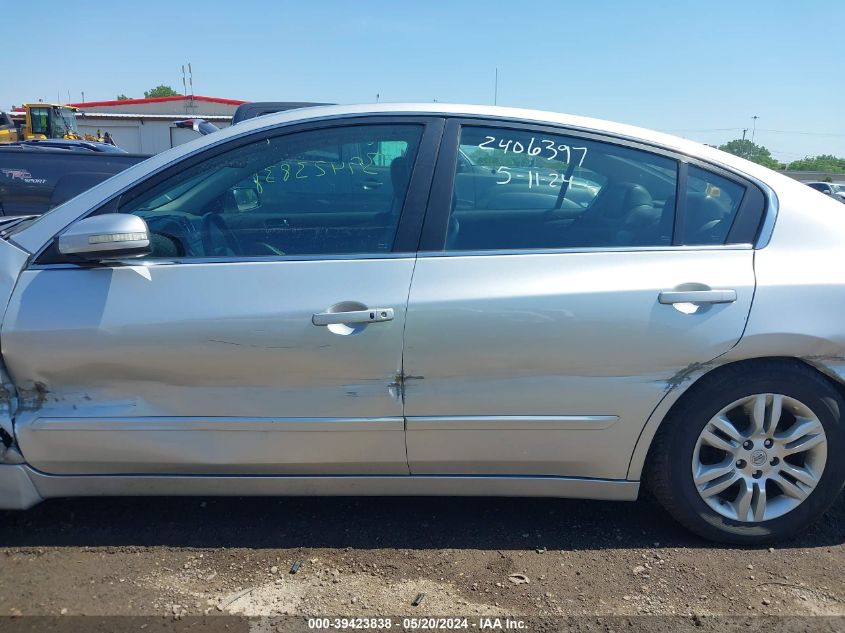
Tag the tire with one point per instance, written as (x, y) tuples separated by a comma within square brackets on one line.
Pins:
[(681, 447)]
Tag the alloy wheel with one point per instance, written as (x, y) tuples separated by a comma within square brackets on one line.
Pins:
[(759, 458)]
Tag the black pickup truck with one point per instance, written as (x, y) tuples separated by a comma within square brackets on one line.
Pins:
[(36, 176)]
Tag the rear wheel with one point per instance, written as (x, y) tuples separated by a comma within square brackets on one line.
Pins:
[(749, 454)]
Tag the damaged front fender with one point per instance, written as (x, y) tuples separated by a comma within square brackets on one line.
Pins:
[(12, 262)]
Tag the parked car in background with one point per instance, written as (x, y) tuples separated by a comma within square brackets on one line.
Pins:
[(834, 189), (433, 299), (253, 109)]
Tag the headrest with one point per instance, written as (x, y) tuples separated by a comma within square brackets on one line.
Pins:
[(702, 209), (400, 173), (622, 197)]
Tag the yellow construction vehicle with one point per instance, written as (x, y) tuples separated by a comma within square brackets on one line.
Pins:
[(41, 121)]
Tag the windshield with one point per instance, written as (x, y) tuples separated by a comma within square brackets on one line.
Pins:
[(64, 122)]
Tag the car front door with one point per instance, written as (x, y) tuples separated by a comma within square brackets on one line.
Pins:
[(557, 299), (262, 335)]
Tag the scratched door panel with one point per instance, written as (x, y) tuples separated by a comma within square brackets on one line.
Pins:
[(550, 364), (208, 368)]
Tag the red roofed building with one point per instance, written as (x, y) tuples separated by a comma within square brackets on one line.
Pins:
[(146, 126)]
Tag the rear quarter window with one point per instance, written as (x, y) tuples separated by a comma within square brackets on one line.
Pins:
[(712, 204)]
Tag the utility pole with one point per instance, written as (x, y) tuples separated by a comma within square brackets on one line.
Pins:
[(496, 87), (743, 133), (191, 81), (188, 83), (754, 127)]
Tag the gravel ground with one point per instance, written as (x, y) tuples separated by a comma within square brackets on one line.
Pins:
[(185, 557)]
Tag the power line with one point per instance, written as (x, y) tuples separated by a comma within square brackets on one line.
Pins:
[(802, 133), (777, 151), (715, 129), (762, 129)]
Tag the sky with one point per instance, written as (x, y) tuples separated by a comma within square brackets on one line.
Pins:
[(698, 69)]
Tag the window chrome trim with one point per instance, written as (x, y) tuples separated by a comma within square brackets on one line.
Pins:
[(170, 261), (186, 261), (767, 226), (597, 250), (390, 256)]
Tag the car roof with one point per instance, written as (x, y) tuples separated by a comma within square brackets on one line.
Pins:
[(583, 123)]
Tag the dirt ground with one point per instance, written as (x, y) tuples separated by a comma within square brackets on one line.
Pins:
[(184, 557)]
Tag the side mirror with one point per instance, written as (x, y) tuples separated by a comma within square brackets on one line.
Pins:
[(107, 236), (246, 198)]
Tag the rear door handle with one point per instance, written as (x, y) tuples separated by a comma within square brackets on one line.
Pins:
[(697, 296), (372, 315)]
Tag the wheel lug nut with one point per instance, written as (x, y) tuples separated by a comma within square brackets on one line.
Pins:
[(757, 474), (748, 445), (768, 443), (774, 462), (740, 463)]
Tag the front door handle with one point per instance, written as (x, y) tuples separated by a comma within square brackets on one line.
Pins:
[(372, 315), (696, 296)]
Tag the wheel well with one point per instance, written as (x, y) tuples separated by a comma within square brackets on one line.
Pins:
[(745, 365), (832, 378)]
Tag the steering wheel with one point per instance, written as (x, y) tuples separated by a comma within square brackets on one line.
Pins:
[(217, 237)]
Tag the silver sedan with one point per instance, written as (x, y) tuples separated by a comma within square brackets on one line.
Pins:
[(429, 299)]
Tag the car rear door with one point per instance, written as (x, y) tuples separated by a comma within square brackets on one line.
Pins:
[(561, 295), (263, 335)]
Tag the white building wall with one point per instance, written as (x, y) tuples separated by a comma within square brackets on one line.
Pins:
[(140, 136)]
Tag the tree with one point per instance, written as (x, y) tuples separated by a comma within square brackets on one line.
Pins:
[(122, 97), (825, 162), (160, 91), (751, 151)]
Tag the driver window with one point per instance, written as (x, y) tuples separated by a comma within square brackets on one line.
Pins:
[(325, 192)]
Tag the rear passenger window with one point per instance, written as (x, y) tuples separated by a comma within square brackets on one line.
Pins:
[(711, 207), (517, 189)]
